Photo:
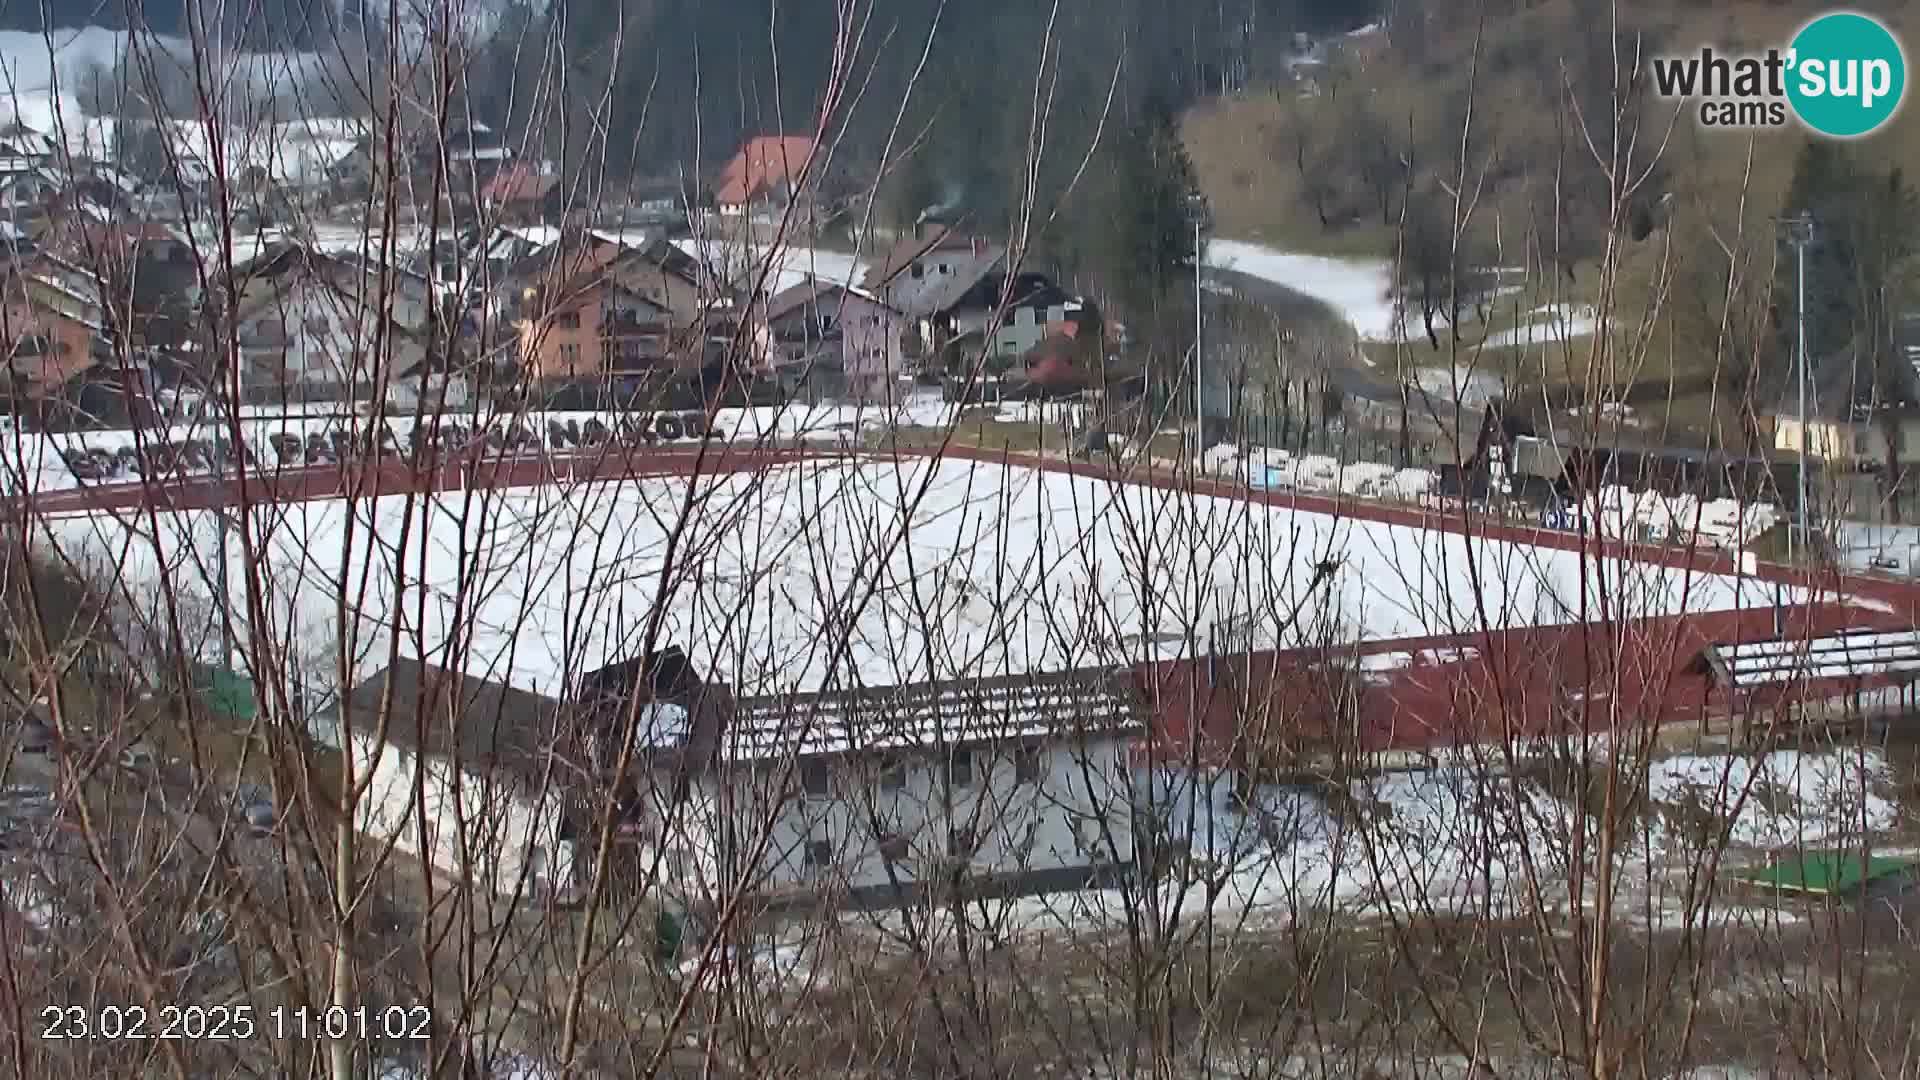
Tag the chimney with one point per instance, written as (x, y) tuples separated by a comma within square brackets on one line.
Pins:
[(979, 247)]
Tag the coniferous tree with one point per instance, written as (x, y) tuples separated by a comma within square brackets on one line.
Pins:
[(1150, 253)]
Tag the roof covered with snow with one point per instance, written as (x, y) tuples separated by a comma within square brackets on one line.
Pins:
[(1083, 703)]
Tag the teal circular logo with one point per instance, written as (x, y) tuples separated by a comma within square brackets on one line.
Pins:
[(1846, 74)]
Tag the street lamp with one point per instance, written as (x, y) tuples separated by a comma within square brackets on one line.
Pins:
[(1800, 233), (1198, 217)]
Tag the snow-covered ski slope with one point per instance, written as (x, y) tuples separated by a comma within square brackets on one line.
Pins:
[(892, 572), (1361, 291)]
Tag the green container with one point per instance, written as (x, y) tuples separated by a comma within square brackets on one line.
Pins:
[(227, 693), (667, 935)]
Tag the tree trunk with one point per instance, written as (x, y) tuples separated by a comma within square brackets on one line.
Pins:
[(1426, 309)]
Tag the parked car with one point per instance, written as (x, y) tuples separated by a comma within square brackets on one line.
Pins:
[(35, 738), (254, 804)]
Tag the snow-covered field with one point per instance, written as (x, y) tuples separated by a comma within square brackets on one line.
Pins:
[(893, 572)]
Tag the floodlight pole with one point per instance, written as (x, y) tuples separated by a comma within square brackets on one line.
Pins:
[(1197, 215), (220, 585), (1800, 234)]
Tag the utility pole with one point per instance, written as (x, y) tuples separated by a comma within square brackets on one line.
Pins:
[(220, 585), (1197, 217), (1800, 234)]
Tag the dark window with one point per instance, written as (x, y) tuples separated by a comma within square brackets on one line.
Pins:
[(1026, 765), (567, 321), (815, 778), (960, 768), (773, 778), (918, 271), (962, 843), (893, 774), (819, 853)]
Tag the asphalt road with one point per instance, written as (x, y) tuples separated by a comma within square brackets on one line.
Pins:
[(1306, 317)]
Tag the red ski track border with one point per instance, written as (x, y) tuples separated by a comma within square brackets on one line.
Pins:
[(397, 476)]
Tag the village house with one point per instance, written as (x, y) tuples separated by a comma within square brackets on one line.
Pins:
[(470, 762), (1856, 418), (666, 313), (148, 266), (834, 338), (936, 251), (591, 326), (19, 141), (52, 321), (476, 149), (431, 385), (661, 203), (868, 798), (315, 326), (508, 781), (886, 795), (949, 285), (522, 193), (27, 187), (763, 179)]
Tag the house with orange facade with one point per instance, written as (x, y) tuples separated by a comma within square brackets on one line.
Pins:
[(593, 307), (52, 322), (594, 326)]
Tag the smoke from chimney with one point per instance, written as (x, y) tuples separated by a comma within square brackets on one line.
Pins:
[(951, 197)]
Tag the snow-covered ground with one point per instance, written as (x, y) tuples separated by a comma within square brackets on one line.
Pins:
[(1361, 290), (1471, 387), (1857, 544), (1460, 838), (1549, 324), (1778, 799), (1013, 569)]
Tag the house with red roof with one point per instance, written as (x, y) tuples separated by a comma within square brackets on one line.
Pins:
[(765, 176), (522, 193)]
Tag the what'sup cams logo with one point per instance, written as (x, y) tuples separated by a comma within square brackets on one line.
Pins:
[(1843, 76)]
